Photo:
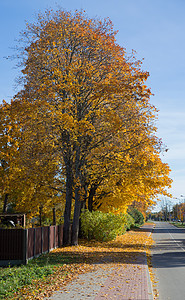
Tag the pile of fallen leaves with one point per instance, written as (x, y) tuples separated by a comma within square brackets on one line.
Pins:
[(84, 257)]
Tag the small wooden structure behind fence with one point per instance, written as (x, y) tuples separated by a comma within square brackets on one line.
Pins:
[(19, 245)]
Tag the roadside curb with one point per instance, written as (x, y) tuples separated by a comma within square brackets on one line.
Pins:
[(150, 285)]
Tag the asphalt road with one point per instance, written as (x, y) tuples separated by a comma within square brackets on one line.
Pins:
[(168, 261)]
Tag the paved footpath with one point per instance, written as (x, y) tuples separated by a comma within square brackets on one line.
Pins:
[(125, 281)]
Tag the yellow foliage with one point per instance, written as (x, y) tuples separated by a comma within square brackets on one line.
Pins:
[(83, 119)]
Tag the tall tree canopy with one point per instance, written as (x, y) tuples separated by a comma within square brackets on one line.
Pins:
[(86, 115)]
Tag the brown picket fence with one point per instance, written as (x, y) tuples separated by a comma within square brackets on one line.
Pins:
[(17, 246)]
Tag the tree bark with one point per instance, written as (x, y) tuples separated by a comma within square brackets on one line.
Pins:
[(5, 206), (40, 215), (67, 212), (91, 196), (54, 216), (82, 206), (75, 226)]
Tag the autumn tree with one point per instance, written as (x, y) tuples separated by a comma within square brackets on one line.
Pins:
[(135, 174), (8, 153), (90, 101), (29, 176), (128, 167)]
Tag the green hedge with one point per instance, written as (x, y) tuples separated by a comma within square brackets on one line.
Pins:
[(104, 226), (137, 216)]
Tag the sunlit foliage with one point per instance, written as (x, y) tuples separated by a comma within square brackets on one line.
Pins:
[(84, 122)]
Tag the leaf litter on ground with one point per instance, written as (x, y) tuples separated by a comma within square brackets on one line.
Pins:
[(85, 258)]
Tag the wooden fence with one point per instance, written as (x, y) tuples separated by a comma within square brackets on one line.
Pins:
[(17, 246)]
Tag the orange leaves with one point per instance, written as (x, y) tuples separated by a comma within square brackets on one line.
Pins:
[(85, 116), (86, 257)]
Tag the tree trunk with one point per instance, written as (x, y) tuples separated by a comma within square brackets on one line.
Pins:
[(54, 216), (5, 206), (67, 212), (91, 196), (40, 216), (82, 206), (75, 226)]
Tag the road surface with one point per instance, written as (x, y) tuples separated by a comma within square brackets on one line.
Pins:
[(168, 261)]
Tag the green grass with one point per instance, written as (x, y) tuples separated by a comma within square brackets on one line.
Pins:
[(14, 278), (178, 224)]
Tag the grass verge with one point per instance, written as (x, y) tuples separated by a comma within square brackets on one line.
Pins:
[(178, 224), (14, 280)]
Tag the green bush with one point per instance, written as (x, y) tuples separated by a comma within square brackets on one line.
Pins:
[(137, 216), (130, 221), (104, 226)]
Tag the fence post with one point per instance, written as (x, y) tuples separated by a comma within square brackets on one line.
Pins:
[(54, 236), (34, 241), (61, 235), (41, 240), (48, 238), (58, 236), (25, 245)]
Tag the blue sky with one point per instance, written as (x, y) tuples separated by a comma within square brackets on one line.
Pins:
[(155, 29)]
